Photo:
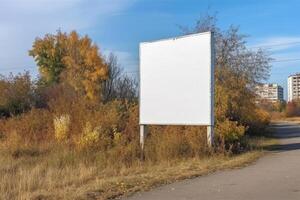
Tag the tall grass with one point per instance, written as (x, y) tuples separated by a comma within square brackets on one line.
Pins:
[(53, 171), (74, 147)]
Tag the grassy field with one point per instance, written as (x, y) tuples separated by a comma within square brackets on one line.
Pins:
[(53, 172)]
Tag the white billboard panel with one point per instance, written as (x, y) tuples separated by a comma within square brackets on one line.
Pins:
[(176, 81)]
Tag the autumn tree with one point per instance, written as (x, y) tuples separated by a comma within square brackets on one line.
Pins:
[(48, 52), (278, 106), (237, 70), (71, 59)]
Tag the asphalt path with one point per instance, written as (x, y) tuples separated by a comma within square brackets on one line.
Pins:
[(276, 176)]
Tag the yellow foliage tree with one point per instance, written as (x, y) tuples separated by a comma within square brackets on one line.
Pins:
[(71, 59)]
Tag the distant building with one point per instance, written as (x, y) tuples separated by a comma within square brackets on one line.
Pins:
[(269, 92), (294, 87)]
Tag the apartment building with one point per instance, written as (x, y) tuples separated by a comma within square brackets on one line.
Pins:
[(269, 92), (294, 87)]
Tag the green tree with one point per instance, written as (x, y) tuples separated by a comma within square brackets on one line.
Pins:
[(71, 59), (48, 52)]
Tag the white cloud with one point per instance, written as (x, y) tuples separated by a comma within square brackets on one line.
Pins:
[(277, 43), (287, 55), (23, 20), (286, 61), (285, 49)]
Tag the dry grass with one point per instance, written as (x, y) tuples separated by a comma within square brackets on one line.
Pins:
[(292, 120), (58, 173), (287, 119)]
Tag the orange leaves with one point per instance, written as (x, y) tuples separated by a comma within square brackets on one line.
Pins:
[(85, 67), (71, 59)]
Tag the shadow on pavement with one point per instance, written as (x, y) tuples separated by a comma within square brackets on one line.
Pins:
[(284, 147), (285, 131)]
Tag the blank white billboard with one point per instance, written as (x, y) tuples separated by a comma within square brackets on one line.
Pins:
[(176, 81)]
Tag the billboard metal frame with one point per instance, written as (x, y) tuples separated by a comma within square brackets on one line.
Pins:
[(210, 132)]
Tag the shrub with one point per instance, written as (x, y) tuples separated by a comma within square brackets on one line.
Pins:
[(94, 138), (131, 127), (34, 126), (259, 121), (89, 136), (62, 127), (229, 134), (17, 94)]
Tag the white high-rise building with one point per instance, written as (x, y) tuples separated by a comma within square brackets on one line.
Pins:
[(294, 87), (269, 92)]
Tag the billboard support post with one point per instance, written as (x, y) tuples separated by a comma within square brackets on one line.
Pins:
[(210, 136), (143, 135)]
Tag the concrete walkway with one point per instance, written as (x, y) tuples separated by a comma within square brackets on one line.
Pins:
[(273, 177)]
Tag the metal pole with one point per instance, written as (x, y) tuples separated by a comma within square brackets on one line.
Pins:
[(143, 135), (210, 136)]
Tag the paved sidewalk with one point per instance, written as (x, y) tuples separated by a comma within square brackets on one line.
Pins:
[(273, 177)]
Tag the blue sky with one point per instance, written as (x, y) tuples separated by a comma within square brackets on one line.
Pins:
[(119, 25)]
